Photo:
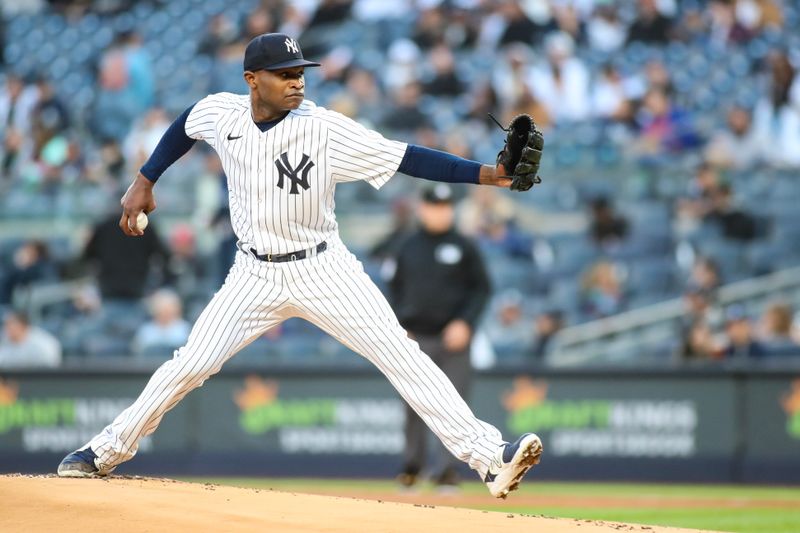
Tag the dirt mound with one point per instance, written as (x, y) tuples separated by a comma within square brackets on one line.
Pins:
[(121, 504)]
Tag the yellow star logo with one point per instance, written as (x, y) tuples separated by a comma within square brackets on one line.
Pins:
[(8, 392), (256, 392), (791, 400), (524, 392)]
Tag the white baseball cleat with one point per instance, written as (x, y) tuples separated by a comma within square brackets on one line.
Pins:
[(511, 463)]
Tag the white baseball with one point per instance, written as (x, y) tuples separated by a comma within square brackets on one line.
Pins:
[(141, 220)]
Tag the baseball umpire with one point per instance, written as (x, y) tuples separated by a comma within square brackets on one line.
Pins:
[(438, 288), (283, 157)]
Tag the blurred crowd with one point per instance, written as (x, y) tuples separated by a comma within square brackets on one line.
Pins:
[(562, 61), (703, 95)]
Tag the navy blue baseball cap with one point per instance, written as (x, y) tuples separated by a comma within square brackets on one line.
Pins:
[(441, 193), (273, 51)]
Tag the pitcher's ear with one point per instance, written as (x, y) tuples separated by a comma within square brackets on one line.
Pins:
[(250, 79)]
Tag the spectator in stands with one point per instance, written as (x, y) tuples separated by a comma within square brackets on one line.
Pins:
[(758, 15), (361, 85), (509, 80), (698, 343), (345, 104), (49, 116), (739, 340), (127, 87), (335, 67), (601, 293), (405, 116), (227, 62), (705, 276), (518, 27), (658, 78), (481, 207), (60, 161), (698, 325), (606, 227), (569, 21), (605, 30), (649, 26), (482, 100), (430, 28), (187, 269), (526, 103), (507, 327), (24, 345), (31, 263), (211, 193), (124, 265), (258, 21), (445, 80), (562, 82), (664, 127), (387, 17), (775, 331), (17, 101), (403, 66), (545, 326), (613, 96), (330, 12), (144, 136), (108, 165), (725, 28), (219, 32), (734, 222), (699, 199), (456, 143), (451, 26), (462, 28), (737, 146), (776, 118), (504, 235), (167, 330), (693, 26), (141, 82)]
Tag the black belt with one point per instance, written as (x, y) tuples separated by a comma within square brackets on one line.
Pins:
[(292, 256)]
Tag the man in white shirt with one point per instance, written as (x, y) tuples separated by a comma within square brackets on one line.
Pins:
[(26, 346)]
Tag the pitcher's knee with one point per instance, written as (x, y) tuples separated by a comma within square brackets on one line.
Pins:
[(188, 369)]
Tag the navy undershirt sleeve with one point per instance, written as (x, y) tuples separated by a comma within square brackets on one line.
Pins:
[(172, 146), (434, 165)]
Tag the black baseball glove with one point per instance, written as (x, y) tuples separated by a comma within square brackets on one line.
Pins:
[(522, 152)]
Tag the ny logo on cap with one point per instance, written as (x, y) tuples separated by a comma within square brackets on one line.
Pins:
[(285, 170), (291, 45)]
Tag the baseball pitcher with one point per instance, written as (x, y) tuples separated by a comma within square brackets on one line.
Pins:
[(283, 156)]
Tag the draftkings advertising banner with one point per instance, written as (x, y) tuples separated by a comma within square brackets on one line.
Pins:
[(612, 421)]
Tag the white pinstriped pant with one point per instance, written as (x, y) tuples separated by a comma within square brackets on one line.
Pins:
[(332, 291)]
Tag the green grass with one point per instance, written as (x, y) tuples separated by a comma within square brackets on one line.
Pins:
[(747, 509), (738, 520)]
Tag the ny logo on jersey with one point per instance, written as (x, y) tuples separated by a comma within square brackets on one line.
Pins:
[(285, 170), (291, 45)]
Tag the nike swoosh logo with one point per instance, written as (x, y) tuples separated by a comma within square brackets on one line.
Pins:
[(230, 137)]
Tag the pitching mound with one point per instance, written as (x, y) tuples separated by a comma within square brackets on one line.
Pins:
[(119, 504)]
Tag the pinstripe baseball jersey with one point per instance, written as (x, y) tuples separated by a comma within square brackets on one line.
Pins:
[(281, 181)]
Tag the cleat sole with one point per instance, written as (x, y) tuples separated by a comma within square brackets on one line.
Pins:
[(77, 473), (530, 457)]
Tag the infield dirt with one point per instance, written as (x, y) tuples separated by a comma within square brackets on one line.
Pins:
[(123, 504)]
